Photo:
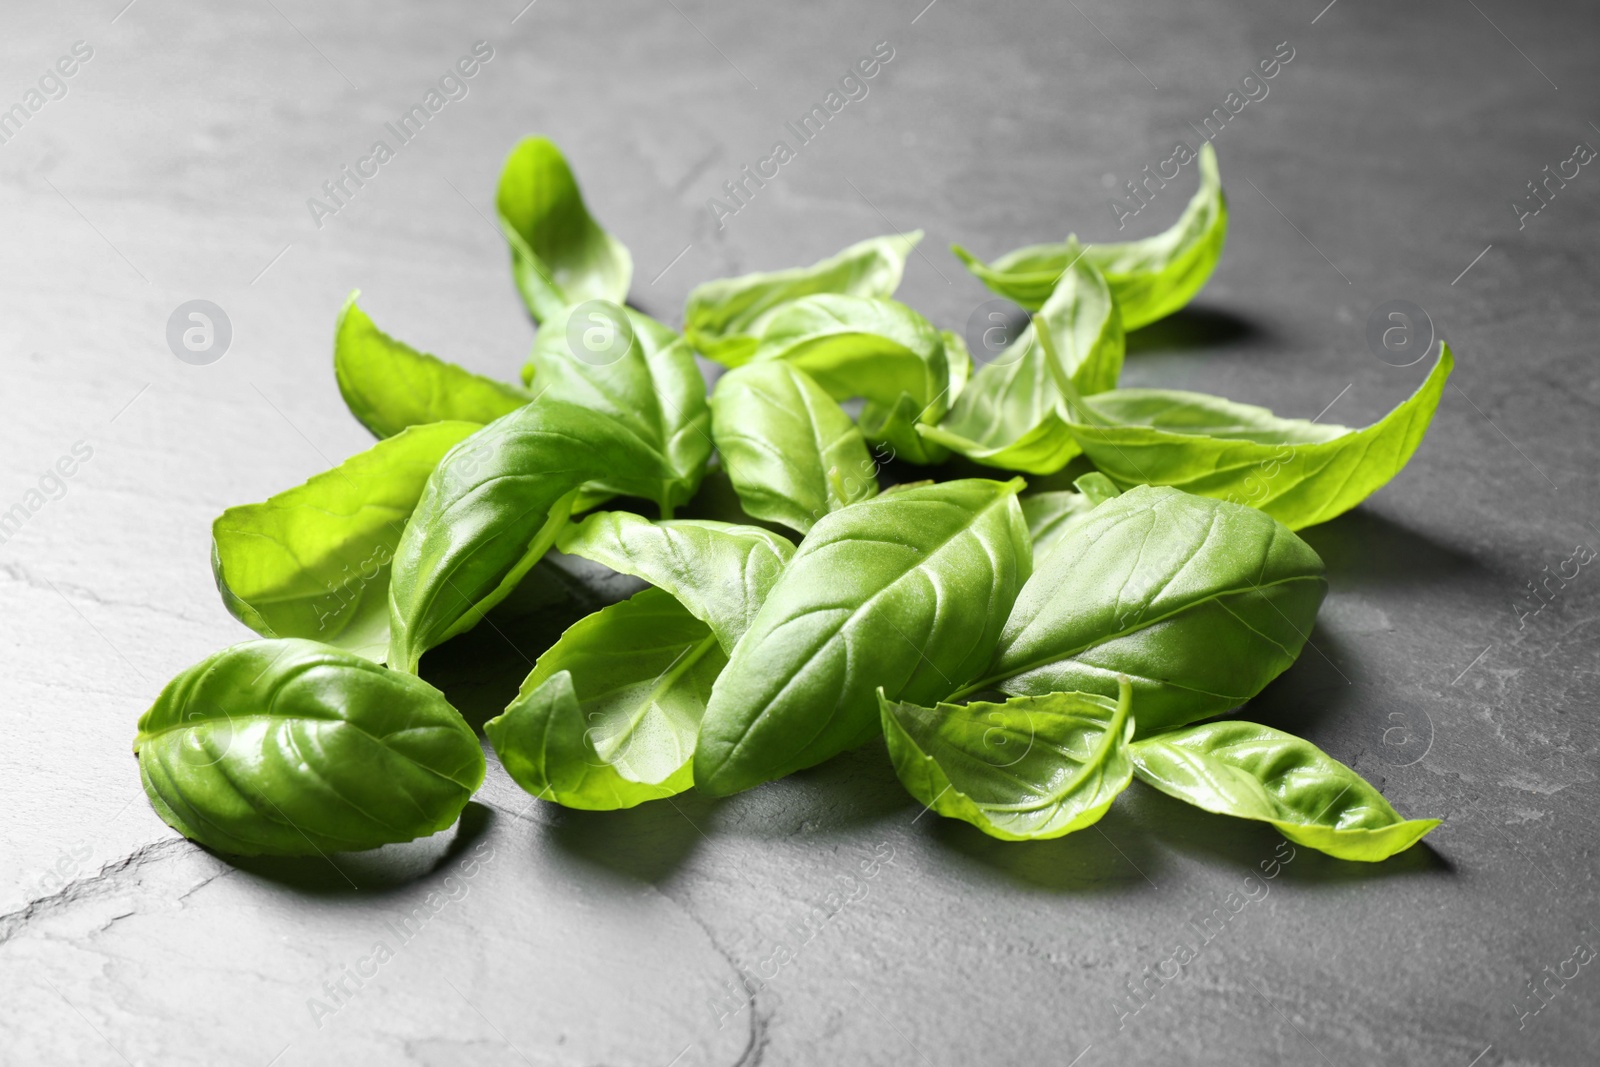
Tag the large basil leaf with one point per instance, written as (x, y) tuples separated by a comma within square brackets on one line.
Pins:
[(494, 506), (313, 561), (1150, 278), (1299, 472), (719, 571), (1199, 602), (1028, 769), (607, 719), (792, 453), (640, 375), (389, 385), (1256, 772), (724, 319), (878, 350), (1007, 416), (1050, 515), (906, 591), (559, 255), (292, 747)]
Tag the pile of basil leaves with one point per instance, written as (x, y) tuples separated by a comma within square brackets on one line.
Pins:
[(1024, 655)]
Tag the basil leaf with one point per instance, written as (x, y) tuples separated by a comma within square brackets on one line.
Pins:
[(723, 319), (878, 350), (1150, 279), (1029, 769), (1051, 515), (1255, 772), (1299, 472), (640, 375), (719, 571), (1008, 416), (293, 748), (1199, 602), (906, 591), (493, 507), (559, 255), (792, 453), (313, 561), (607, 719), (958, 361), (389, 385)]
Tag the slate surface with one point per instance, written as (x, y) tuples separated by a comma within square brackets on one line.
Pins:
[(1381, 165)]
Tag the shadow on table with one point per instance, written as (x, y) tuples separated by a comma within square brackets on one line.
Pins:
[(1111, 856), (1362, 548), (1196, 326)]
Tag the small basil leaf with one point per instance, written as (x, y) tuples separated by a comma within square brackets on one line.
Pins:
[(493, 507), (559, 255), (295, 748), (638, 373), (1029, 769), (313, 561), (906, 591), (389, 385), (1299, 472), (1008, 415), (1150, 278), (791, 452), (1256, 772), (1199, 602), (607, 719), (718, 571), (724, 318), (1050, 515)]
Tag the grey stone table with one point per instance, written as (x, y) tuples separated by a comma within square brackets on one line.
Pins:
[(822, 919)]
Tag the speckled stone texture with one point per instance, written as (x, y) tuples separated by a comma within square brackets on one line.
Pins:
[(823, 919)]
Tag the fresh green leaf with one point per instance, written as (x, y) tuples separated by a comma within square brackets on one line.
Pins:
[(719, 571), (1028, 769), (958, 360), (725, 318), (906, 591), (296, 748), (313, 561), (792, 453), (1199, 602), (878, 350), (1050, 515), (1150, 278), (639, 374), (559, 255), (608, 717), (389, 385), (1008, 416), (1255, 772), (1298, 471), (494, 506)]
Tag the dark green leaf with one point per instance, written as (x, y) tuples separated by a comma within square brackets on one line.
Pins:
[(295, 748), (1256, 772), (1199, 602), (313, 561), (906, 591)]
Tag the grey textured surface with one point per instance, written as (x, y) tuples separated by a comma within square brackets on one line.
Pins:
[(1382, 162)]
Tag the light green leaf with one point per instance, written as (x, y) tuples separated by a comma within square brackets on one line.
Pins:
[(1029, 769), (1255, 772), (389, 385), (607, 719), (791, 452), (724, 319), (1150, 278), (313, 561), (1008, 416), (296, 748), (494, 506), (906, 591), (1299, 472), (719, 571), (642, 376), (1200, 603), (559, 255)]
